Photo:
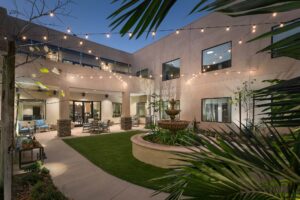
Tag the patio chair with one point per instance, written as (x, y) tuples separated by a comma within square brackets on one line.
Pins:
[(41, 125), (86, 127), (106, 126), (96, 127), (23, 130)]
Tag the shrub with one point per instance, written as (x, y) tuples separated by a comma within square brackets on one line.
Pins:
[(43, 191), (31, 178), (35, 167)]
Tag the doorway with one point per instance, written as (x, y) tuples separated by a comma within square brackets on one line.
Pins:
[(82, 111)]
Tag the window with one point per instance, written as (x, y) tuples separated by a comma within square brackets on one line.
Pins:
[(117, 109), (215, 58), (281, 36), (144, 73), (216, 110), (31, 109), (141, 109), (171, 70)]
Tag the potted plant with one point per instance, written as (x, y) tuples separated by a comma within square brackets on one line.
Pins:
[(27, 144)]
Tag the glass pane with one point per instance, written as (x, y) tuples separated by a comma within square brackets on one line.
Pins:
[(216, 58), (143, 73), (141, 109), (216, 110), (87, 111), (78, 113), (117, 109), (97, 110), (171, 70), (71, 111)]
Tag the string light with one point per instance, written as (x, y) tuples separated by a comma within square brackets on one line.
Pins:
[(227, 28), (240, 42), (274, 14), (281, 25), (68, 30), (253, 30), (86, 36), (110, 77), (65, 37), (24, 37), (51, 14), (177, 32), (80, 43), (130, 34), (239, 72), (130, 76), (254, 27), (202, 30), (5, 38), (81, 77), (107, 35), (100, 77), (90, 51), (45, 38), (91, 77), (97, 58), (153, 33)]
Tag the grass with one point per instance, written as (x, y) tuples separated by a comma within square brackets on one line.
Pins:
[(113, 154)]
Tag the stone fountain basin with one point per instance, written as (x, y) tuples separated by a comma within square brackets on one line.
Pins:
[(172, 112), (173, 125), (157, 154)]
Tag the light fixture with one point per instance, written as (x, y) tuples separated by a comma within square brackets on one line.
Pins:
[(202, 30), (254, 27), (274, 14), (253, 30), (281, 25), (90, 51), (177, 32), (45, 38), (86, 36), (65, 37), (130, 34), (24, 37), (153, 33), (107, 35), (80, 43), (210, 52), (68, 30), (100, 77), (220, 57), (51, 14), (227, 28), (240, 42), (216, 73)]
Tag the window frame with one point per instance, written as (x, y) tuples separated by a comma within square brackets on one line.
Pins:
[(137, 108), (114, 116), (214, 47), (202, 114), (162, 71)]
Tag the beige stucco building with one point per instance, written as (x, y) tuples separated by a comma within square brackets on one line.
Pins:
[(201, 66)]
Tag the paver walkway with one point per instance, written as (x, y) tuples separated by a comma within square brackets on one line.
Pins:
[(79, 179)]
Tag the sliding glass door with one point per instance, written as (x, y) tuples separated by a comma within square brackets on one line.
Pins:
[(82, 111)]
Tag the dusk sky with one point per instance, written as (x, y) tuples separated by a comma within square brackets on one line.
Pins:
[(89, 16)]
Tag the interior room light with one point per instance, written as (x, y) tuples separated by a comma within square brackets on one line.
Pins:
[(81, 77), (91, 77), (100, 77), (5, 38)]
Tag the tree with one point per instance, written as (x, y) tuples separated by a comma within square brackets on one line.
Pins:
[(37, 10)]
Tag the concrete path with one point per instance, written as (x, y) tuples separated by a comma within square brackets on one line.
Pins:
[(79, 179)]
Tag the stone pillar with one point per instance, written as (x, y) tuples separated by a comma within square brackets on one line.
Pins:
[(64, 122), (126, 121)]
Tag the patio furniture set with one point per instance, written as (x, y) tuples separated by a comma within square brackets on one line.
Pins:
[(96, 126), (30, 128)]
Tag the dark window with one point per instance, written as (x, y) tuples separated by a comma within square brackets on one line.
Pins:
[(216, 110), (144, 73), (215, 58), (171, 70), (141, 109), (117, 109), (281, 36)]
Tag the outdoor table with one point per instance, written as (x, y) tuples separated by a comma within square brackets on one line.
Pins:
[(40, 155)]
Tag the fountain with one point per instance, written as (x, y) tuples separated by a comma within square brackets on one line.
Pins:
[(173, 125)]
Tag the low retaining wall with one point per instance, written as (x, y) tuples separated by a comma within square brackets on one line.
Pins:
[(155, 154)]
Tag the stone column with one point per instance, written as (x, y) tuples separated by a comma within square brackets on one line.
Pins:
[(126, 121), (64, 122)]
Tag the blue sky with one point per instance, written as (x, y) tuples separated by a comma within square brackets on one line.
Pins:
[(89, 16)]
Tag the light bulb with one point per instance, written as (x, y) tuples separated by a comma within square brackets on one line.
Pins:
[(153, 33), (240, 42), (130, 34), (97, 58), (86, 36), (45, 38), (228, 28), (90, 51), (107, 35), (202, 30), (65, 37), (281, 25), (274, 14), (24, 37), (68, 30), (80, 43), (51, 14), (177, 32)]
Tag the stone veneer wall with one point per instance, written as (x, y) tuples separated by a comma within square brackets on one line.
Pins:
[(63, 127), (126, 123)]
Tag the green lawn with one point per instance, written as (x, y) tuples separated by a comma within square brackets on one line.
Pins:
[(112, 153)]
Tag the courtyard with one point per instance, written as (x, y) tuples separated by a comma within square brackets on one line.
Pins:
[(138, 100)]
